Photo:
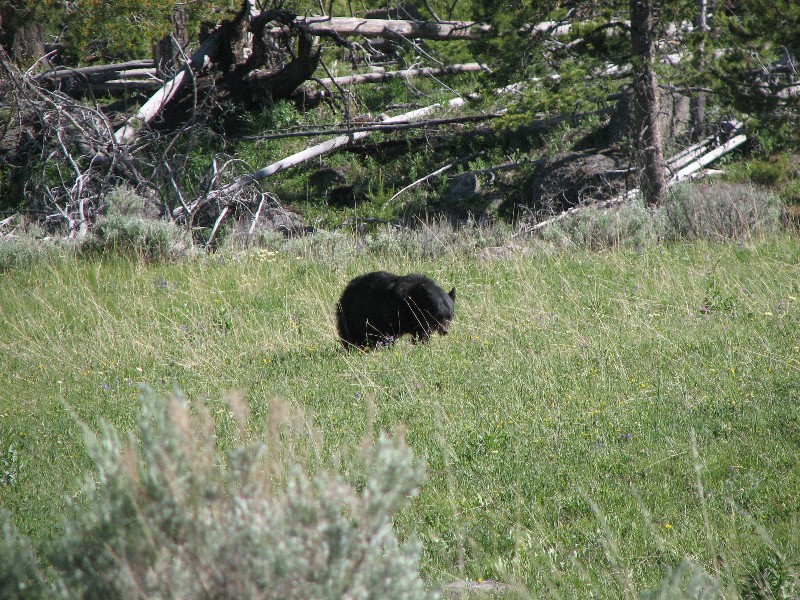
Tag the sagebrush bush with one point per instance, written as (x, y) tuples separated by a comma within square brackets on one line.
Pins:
[(721, 210), (124, 201), (151, 239), (20, 573), (25, 250), (717, 211), (131, 225), (166, 515), (592, 228), (436, 238), (332, 246)]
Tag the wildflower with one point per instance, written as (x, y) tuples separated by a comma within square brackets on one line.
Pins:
[(667, 526)]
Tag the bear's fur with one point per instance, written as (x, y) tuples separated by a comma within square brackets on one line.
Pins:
[(379, 307)]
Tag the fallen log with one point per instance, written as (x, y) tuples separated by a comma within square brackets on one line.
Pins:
[(110, 69), (307, 154), (692, 170), (351, 26), (447, 30), (156, 103), (379, 76), (701, 162)]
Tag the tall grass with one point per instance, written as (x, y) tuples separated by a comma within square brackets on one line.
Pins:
[(554, 421)]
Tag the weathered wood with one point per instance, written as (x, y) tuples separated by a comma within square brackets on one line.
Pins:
[(309, 153), (692, 170), (448, 30), (352, 26), (379, 76), (156, 103), (707, 158), (110, 69)]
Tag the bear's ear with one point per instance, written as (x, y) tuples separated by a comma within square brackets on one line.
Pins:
[(452, 294)]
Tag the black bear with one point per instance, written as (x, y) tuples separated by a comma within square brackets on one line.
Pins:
[(379, 307)]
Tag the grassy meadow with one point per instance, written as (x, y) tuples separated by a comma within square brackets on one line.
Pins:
[(592, 420)]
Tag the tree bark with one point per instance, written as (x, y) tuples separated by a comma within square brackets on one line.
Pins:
[(404, 74), (647, 135), (698, 101), (152, 107), (349, 26)]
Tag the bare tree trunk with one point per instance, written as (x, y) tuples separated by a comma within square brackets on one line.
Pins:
[(647, 136), (347, 26), (698, 101)]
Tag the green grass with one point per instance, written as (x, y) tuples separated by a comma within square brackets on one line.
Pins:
[(556, 419)]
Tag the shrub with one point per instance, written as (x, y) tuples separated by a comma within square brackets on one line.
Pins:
[(171, 517), (20, 573), (437, 238), (26, 250), (721, 211), (691, 211), (149, 238), (130, 225), (593, 228)]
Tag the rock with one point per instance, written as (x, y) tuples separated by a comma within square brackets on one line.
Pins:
[(326, 178), (572, 179), (286, 221), (463, 186), (345, 196)]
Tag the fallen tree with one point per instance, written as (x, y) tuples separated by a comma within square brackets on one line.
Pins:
[(687, 164)]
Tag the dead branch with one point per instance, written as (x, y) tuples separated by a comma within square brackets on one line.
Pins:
[(307, 154), (378, 126), (435, 173), (60, 152), (110, 70), (126, 133), (691, 170), (404, 74)]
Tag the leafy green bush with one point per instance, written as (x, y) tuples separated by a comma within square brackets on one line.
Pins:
[(167, 515)]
